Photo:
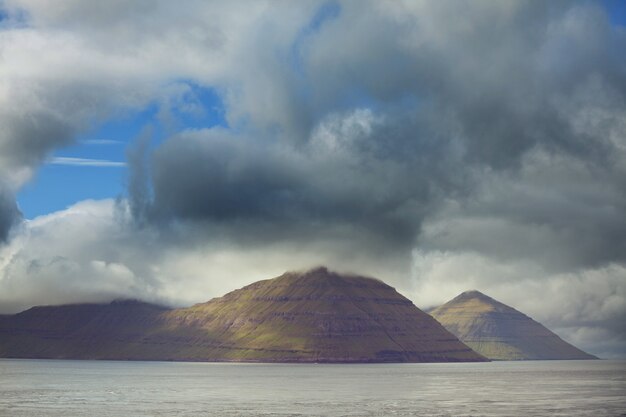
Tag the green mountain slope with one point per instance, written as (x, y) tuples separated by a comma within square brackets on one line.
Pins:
[(500, 332), (315, 316)]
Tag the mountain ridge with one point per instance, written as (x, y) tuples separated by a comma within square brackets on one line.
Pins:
[(312, 316)]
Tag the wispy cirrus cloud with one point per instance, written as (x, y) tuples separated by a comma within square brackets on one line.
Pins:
[(85, 162), (101, 142)]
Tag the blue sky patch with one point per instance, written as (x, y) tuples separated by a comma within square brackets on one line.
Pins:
[(94, 167)]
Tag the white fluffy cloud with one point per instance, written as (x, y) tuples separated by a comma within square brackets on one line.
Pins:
[(92, 251)]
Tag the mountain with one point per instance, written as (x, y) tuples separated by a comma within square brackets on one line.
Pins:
[(500, 332), (80, 331), (314, 316)]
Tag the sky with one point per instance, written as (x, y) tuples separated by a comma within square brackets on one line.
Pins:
[(174, 151)]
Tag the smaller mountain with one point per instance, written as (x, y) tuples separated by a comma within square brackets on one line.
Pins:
[(500, 332)]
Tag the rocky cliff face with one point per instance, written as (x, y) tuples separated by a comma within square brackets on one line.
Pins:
[(315, 316), (500, 332)]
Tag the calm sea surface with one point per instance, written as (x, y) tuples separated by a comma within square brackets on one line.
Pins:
[(103, 388)]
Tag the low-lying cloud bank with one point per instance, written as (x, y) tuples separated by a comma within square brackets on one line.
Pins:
[(436, 145), (93, 251)]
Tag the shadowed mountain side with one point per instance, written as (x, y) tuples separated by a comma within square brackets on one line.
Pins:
[(81, 331), (500, 332), (315, 316)]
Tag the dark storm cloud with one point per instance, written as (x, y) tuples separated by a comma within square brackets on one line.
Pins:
[(369, 172), (26, 138), (497, 79), (559, 211)]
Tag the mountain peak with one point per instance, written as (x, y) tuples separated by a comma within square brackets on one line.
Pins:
[(322, 280), (319, 273), (474, 293), (500, 332), (465, 295), (319, 270), (322, 273), (476, 301)]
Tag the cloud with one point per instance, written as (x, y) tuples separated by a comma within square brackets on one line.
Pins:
[(51, 260), (560, 211), (102, 142), (67, 69), (215, 176), (52, 254), (70, 161)]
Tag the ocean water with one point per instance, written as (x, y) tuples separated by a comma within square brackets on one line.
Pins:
[(109, 388)]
